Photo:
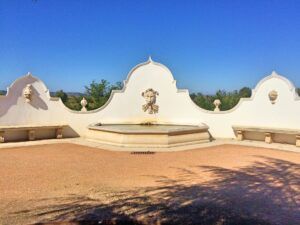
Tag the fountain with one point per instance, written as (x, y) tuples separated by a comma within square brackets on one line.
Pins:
[(149, 135), (149, 112)]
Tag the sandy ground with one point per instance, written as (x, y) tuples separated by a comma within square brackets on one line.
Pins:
[(218, 185)]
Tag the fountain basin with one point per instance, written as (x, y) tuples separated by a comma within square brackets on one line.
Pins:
[(147, 136)]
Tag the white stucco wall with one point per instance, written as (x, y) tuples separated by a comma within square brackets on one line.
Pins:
[(175, 106)]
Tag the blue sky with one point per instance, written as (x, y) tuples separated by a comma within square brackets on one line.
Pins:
[(208, 45)]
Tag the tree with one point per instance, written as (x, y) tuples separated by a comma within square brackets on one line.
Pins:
[(97, 94), (116, 86), (2, 92), (245, 92), (73, 103), (204, 101), (62, 95), (228, 99)]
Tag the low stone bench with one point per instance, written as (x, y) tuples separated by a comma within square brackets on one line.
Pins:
[(268, 131), (31, 130)]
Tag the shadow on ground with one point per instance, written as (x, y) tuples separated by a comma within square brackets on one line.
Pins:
[(266, 192)]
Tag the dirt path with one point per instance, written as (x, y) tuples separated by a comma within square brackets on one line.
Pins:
[(64, 181)]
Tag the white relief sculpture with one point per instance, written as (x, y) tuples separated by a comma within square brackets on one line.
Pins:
[(273, 95), (27, 93), (150, 98)]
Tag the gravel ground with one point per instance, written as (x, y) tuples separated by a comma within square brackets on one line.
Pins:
[(217, 185)]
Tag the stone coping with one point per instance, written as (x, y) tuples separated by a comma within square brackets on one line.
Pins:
[(267, 129), (94, 144), (149, 129), (20, 127)]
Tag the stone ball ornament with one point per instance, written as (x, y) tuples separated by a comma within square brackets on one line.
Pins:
[(150, 98), (27, 93), (273, 95)]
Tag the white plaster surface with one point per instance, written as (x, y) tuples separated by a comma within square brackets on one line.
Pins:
[(175, 106)]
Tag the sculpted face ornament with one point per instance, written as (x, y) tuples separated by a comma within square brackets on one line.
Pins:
[(150, 98), (273, 95), (27, 93)]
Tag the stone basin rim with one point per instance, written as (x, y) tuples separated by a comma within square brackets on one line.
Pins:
[(170, 129)]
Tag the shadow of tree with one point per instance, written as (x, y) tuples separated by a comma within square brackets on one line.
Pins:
[(265, 192)]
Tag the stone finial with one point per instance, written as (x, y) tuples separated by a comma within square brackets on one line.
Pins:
[(27, 93), (217, 104), (83, 104), (274, 73), (273, 95)]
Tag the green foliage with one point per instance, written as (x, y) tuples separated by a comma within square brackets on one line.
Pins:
[(245, 92), (228, 99), (96, 95), (73, 102), (2, 92), (204, 101), (61, 94), (298, 91)]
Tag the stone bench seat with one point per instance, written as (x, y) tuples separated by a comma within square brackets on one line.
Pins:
[(268, 131), (31, 130)]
